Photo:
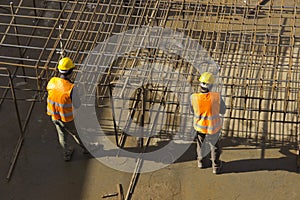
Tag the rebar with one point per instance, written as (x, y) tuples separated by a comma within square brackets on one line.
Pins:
[(255, 46)]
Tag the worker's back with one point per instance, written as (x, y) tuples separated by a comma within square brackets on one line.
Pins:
[(59, 103), (206, 108)]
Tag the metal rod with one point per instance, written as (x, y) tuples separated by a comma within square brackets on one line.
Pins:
[(113, 115), (21, 136), (16, 32), (34, 6), (139, 162)]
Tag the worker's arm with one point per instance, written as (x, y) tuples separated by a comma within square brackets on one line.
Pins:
[(222, 106), (75, 98), (191, 106)]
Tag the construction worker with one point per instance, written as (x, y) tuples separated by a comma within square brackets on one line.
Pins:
[(207, 107), (62, 97)]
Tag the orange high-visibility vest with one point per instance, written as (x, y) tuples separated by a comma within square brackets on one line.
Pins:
[(59, 103), (206, 108)]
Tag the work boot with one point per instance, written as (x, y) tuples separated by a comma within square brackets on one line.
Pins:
[(200, 164), (68, 154), (217, 167)]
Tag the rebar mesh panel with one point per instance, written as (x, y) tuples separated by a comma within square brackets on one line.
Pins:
[(256, 48)]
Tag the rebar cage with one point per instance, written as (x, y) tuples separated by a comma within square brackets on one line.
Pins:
[(255, 46)]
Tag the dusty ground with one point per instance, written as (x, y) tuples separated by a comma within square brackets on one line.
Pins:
[(41, 173)]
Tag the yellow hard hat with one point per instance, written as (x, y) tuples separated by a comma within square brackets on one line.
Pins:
[(207, 78), (65, 64)]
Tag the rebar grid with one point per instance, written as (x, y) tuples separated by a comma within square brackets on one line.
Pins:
[(257, 52)]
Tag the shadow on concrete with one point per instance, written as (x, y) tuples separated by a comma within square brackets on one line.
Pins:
[(285, 163), (191, 155), (40, 171)]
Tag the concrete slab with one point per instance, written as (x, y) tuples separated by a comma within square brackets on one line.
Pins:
[(41, 173)]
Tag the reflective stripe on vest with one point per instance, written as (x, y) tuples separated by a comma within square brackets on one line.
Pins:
[(59, 103), (59, 113), (206, 108)]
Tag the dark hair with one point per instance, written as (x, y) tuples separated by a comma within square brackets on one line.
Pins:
[(67, 72), (204, 90)]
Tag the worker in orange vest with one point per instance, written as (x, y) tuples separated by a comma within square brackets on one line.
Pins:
[(207, 107), (62, 97)]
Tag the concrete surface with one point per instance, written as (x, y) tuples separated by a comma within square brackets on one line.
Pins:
[(41, 173)]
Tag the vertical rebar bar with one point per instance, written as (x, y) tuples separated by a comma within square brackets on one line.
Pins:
[(21, 136), (16, 33), (34, 6)]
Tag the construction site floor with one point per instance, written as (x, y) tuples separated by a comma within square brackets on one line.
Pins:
[(41, 173)]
